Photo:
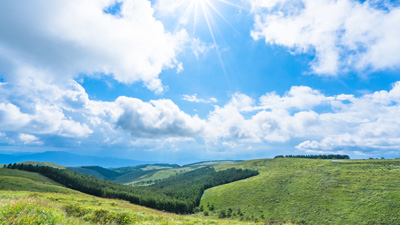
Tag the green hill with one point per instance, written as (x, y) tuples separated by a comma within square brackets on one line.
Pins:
[(38, 200), (96, 171), (50, 164), (311, 191), (16, 180), (287, 190)]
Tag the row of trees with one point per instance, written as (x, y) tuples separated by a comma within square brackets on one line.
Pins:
[(331, 156), (178, 194)]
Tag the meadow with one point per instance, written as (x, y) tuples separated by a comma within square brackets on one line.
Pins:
[(30, 198), (286, 191), (311, 191)]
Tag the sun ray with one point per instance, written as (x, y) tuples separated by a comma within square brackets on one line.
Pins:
[(221, 16), (205, 12), (231, 4), (186, 14), (195, 16)]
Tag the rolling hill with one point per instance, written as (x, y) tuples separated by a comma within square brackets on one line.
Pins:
[(46, 202), (286, 191), (311, 191), (16, 180), (142, 175)]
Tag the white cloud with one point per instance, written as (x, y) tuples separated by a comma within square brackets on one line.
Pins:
[(347, 124), (299, 97), (228, 121), (343, 34), (28, 139), (156, 119), (37, 107), (193, 98), (62, 39)]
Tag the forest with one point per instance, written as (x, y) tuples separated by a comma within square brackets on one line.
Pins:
[(331, 156), (178, 194)]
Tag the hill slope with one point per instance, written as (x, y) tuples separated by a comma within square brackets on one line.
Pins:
[(312, 191), (49, 206), (16, 180)]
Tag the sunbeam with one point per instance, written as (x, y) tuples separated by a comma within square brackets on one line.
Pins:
[(205, 13), (192, 10)]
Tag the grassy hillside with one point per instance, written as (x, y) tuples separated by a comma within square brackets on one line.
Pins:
[(58, 209), (16, 180), (311, 191), (49, 203)]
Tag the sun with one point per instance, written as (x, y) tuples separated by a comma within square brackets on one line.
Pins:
[(206, 8)]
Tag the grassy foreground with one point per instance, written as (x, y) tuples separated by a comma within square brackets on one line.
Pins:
[(51, 203), (311, 191)]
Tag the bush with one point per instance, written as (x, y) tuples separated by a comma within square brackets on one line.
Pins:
[(222, 214)]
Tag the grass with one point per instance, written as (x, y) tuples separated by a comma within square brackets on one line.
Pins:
[(47, 202), (311, 191), (289, 190), (57, 208), (16, 180)]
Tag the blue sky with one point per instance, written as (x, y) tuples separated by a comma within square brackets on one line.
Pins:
[(156, 81)]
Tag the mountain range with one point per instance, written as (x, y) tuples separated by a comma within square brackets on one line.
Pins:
[(69, 159)]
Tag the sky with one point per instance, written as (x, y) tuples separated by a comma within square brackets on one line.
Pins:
[(182, 81)]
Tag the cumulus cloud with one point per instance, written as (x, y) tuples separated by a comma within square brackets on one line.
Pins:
[(348, 123), (299, 97), (363, 123), (369, 123), (62, 39), (42, 109), (48, 109), (228, 121), (193, 98), (156, 118), (28, 139), (343, 34)]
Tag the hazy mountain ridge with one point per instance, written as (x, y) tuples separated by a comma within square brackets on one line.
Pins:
[(69, 159)]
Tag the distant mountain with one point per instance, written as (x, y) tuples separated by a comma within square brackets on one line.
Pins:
[(69, 159), (95, 171), (145, 167)]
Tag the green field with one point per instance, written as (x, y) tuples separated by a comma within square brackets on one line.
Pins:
[(59, 205), (16, 180), (311, 191)]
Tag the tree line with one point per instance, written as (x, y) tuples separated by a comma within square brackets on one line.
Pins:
[(331, 156), (178, 194)]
